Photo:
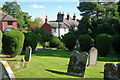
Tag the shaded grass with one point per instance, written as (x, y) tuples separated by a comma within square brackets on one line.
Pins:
[(54, 63)]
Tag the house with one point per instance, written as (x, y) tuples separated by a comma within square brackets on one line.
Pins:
[(61, 25), (7, 22)]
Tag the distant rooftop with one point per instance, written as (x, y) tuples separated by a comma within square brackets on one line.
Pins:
[(5, 17)]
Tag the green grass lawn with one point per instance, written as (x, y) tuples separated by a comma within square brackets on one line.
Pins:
[(53, 64)]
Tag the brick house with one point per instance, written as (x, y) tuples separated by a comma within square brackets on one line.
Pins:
[(7, 22), (61, 25)]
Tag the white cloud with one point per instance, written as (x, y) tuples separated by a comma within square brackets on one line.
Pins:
[(59, 7), (36, 6)]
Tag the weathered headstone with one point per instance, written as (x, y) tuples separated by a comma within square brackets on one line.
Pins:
[(5, 71), (78, 63), (28, 52), (110, 71), (93, 57)]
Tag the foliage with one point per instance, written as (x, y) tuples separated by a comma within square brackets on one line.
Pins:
[(47, 44), (61, 46), (31, 39), (54, 42), (23, 18), (13, 42), (105, 28), (45, 36), (85, 42), (103, 43), (69, 41), (116, 43), (1, 35)]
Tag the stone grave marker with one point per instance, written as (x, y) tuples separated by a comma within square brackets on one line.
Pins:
[(5, 71), (78, 63), (110, 71), (28, 52), (93, 57)]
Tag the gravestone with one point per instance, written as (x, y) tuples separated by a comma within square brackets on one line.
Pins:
[(28, 52), (78, 63), (5, 71), (93, 57), (110, 71)]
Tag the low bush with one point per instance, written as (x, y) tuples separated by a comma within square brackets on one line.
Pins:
[(13, 42), (31, 39), (54, 42), (103, 43), (85, 42), (116, 43), (69, 41)]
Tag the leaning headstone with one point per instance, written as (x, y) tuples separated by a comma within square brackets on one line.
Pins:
[(5, 71), (110, 71), (28, 52), (93, 57), (78, 63)]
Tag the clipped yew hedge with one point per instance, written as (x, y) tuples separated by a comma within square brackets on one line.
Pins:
[(69, 41), (103, 43), (85, 42), (13, 42)]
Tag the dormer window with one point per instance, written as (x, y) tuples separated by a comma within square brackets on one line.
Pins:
[(9, 22)]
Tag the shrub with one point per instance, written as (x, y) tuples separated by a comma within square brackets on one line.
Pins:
[(45, 36), (85, 42), (103, 43), (116, 43), (13, 42), (54, 42), (0, 41), (46, 44), (31, 39), (61, 46), (69, 41), (104, 28)]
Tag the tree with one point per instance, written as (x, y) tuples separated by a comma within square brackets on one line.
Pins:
[(38, 22), (12, 8)]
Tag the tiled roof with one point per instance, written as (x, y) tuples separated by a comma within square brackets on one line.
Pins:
[(65, 24), (5, 17)]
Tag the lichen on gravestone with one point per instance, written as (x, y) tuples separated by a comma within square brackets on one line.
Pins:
[(78, 63)]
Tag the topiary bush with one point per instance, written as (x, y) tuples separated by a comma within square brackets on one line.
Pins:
[(13, 42), (31, 39), (103, 43), (116, 43), (85, 42), (54, 42), (69, 41), (1, 41)]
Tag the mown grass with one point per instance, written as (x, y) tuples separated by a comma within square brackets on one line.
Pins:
[(53, 64)]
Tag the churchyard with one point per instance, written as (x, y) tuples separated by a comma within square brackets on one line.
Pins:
[(53, 64)]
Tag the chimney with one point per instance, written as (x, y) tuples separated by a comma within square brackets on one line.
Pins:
[(60, 17), (68, 16), (74, 17), (46, 19)]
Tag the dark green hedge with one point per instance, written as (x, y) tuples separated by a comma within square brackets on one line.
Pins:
[(13, 42), (85, 42), (69, 41), (103, 43), (31, 39), (54, 42), (116, 43), (1, 41)]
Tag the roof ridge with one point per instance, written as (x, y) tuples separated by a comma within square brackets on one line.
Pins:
[(4, 17)]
